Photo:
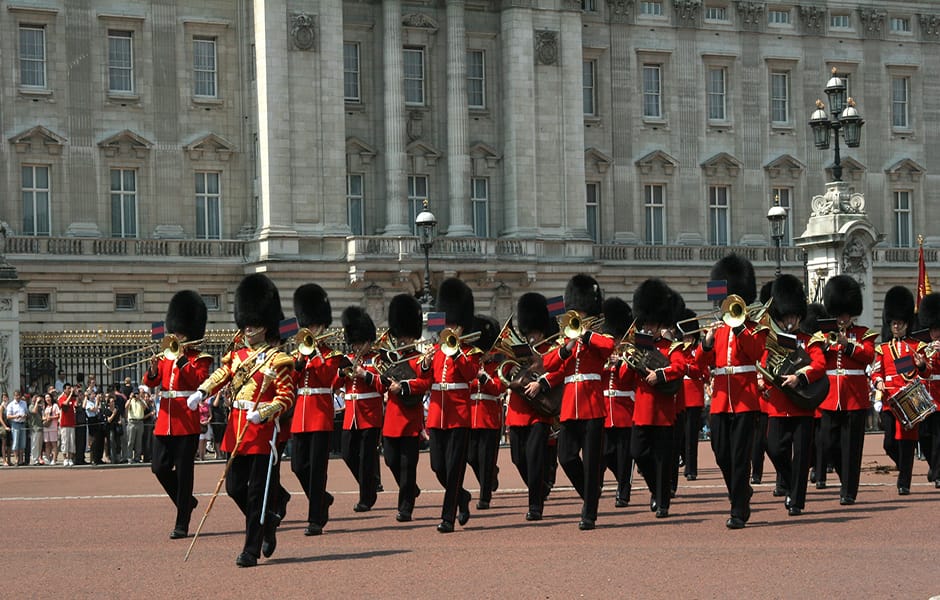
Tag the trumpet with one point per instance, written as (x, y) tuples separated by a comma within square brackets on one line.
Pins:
[(733, 312), (451, 340), (307, 342)]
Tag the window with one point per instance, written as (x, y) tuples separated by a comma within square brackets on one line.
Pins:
[(654, 205), (651, 8), (35, 192), (592, 210), (900, 93), (120, 62), (213, 302), (480, 200), (417, 196), (351, 72), (125, 301), (902, 219), (476, 79), (123, 203), (589, 5), (718, 215), (839, 21), (653, 91), (716, 14), (414, 76), (900, 25), (38, 302), (716, 91), (204, 68), (780, 97), (783, 196), (208, 206), (32, 56), (778, 16), (354, 207), (589, 87)]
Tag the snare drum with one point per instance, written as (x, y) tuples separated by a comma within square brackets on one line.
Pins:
[(911, 404)]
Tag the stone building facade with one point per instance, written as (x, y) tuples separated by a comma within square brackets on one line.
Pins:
[(152, 146)]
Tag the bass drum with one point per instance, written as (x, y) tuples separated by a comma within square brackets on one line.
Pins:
[(911, 404)]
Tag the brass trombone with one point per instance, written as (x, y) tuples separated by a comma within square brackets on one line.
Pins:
[(450, 340), (307, 342), (733, 312), (170, 347)]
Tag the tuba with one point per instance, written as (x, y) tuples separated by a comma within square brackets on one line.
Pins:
[(643, 360), (782, 361)]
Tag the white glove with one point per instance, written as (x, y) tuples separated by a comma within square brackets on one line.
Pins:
[(254, 416), (878, 405), (194, 399)]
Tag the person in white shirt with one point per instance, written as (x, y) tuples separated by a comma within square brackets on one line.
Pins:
[(16, 416)]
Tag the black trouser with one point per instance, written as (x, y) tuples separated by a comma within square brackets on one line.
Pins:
[(309, 460), (890, 444), (619, 459), (448, 448), (580, 445), (759, 448), (788, 442), (96, 431), (677, 448), (732, 441), (360, 448), (693, 426), (930, 444), (245, 485), (844, 438), (172, 463), (528, 446), (482, 453), (81, 441), (821, 458), (278, 496), (401, 457), (906, 449), (653, 449)]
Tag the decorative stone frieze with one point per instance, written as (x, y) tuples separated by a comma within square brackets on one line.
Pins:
[(873, 22), (546, 47), (303, 31), (813, 19), (687, 12)]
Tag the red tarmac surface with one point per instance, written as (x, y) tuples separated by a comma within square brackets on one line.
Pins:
[(84, 531)]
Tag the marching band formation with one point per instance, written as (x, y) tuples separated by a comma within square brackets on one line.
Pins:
[(602, 386)]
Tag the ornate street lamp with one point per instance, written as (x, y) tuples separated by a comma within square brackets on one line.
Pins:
[(845, 116), (425, 223), (777, 215)]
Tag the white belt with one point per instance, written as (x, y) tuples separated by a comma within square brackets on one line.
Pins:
[(483, 397), (838, 372), (177, 394), (577, 377), (308, 391), (934, 378), (247, 405), (362, 396), (443, 387), (734, 369), (619, 394)]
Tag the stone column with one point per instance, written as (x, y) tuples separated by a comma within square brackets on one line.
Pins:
[(10, 286), (458, 122), (395, 197), (572, 71), (839, 239)]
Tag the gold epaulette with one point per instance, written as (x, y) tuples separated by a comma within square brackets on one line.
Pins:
[(673, 346), (473, 351), (878, 350), (203, 355), (871, 333), (282, 360), (332, 353), (818, 338), (227, 359)]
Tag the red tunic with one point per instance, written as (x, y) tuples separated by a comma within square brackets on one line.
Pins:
[(177, 384), (270, 384), (883, 370), (652, 406), (733, 359), (450, 378), (363, 397), (696, 374), (778, 403), (584, 386), (845, 365), (932, 378), (619, 394), (486, 400), (315, 382), (405, 421)]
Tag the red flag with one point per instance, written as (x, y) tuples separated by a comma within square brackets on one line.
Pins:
[(923, 282)]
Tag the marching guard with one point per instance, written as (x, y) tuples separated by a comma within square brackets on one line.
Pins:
[(176, 433), (928, 316), (619, 397), (693, 394), (262, 388), (486, 412)]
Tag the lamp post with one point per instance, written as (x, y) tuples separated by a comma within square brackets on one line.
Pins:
[(845, 117), (425, 223), (777, 215)]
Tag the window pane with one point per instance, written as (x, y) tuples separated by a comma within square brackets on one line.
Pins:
[(27, 174), (351, 72)]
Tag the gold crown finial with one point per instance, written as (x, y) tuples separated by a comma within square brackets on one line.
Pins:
[(819, 104)]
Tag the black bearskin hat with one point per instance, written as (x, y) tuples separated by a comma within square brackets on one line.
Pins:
[(617, 317), (312, 306), (766, 291), (532, 315), (489, 328), (404, 317), (928, 315), (814, 312), (789, 298), (843, 296), (739, 273), (898, 306), (358, 325), (690, 323), (187, 315), (455, 299), (656, 302), (584, 295), (258, 304)]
